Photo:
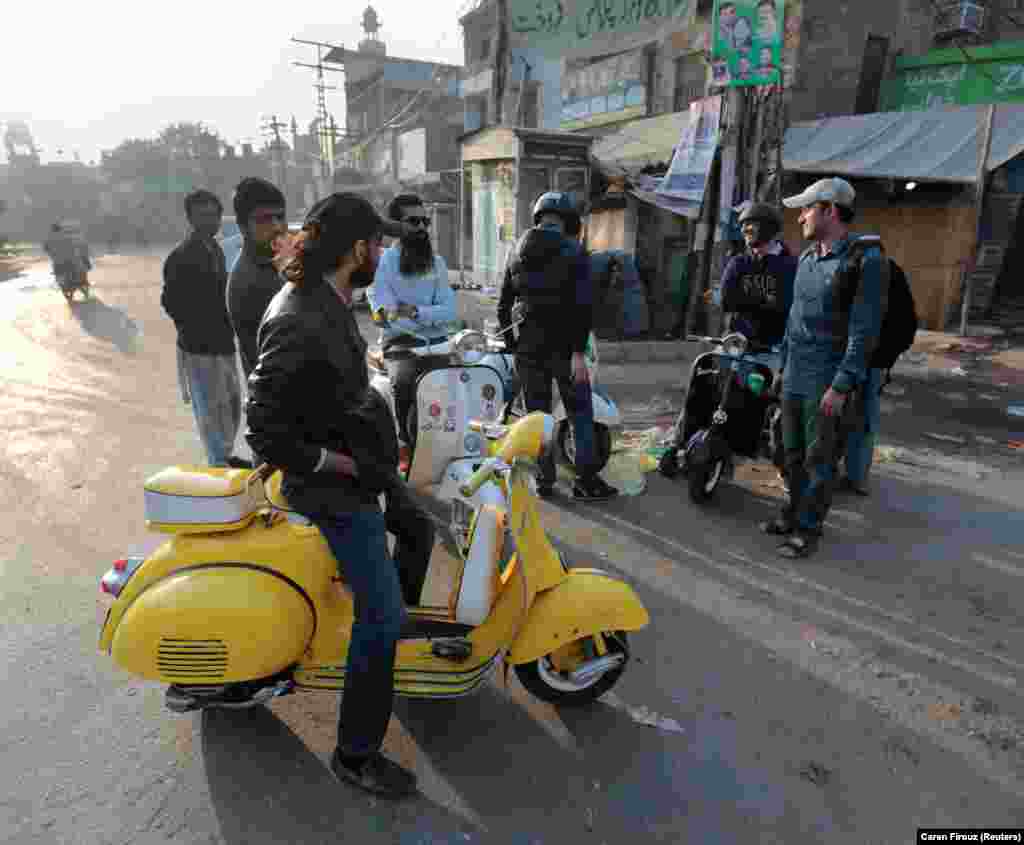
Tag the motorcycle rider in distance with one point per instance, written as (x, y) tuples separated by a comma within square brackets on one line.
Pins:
[(411, 282), (64, 248), (548, 277), (757, 289)]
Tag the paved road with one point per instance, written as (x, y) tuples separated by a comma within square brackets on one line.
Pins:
[(850, 698)]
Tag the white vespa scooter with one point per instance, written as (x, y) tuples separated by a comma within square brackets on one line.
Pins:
[(474, 348)]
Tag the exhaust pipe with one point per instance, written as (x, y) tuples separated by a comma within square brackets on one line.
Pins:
[(593, 669), (178, 700)]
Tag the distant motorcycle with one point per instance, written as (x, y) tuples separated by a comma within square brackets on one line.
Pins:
[(72, 276)]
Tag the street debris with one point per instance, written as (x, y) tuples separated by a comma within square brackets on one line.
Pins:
[(1015, 444), (643, 715), (941, 711), (815, 773), (588, 820), (1015, 410), (988, 397), (985, 441), (954, 397), (958, 371), (946, 438)]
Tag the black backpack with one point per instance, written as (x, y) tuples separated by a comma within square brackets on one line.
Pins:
[(899, 323)]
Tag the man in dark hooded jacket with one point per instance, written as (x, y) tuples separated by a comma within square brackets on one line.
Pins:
[(549, 277)]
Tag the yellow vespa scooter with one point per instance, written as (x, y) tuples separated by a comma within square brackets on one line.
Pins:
[(244, 602)]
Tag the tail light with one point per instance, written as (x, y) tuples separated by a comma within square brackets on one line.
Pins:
[(114, 580)]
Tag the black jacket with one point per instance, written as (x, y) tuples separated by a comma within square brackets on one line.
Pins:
[(251, 286), (550, 275), (195, 283), (310, 390)]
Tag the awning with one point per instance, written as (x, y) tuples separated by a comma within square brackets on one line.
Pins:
[(639, 143), (940, 144)]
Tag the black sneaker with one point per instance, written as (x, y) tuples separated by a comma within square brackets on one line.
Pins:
[(376, 774), (593, 490), (545, 490), (236, 462)]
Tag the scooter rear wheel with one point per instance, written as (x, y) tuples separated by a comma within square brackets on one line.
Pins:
[(545, 682)]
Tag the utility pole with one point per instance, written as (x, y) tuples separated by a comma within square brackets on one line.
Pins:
[(979, 200), (325, 122), (500, 60), (274, 126)]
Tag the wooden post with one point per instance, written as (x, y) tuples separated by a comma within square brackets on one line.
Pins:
[(979, 198)]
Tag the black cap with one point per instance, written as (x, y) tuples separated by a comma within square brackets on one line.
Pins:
[(350, 218)]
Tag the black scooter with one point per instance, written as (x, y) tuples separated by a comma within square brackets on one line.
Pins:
[(731, 409)]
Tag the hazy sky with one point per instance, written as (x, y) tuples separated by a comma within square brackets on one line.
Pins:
[(85, 76)]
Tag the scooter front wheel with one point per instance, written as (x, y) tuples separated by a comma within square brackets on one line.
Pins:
[(703, 480), (580, 684)]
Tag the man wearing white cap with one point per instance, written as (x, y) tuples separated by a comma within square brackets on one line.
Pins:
[(838, 301)]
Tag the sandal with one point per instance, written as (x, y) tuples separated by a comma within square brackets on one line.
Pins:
[(797, 546), (777, 527)]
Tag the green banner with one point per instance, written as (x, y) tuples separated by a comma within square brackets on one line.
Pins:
[(994, 74), (573, 29), (746, 44)]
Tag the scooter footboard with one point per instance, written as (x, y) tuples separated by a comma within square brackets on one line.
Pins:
[(586, 602)]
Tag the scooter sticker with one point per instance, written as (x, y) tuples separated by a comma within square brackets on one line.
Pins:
[(435, 409), (449, 425), (427, 426), (464, 377), (488, 392), (490, 410), (451, 411)]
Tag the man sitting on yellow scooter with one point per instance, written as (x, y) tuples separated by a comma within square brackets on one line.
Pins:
[(311, 411)]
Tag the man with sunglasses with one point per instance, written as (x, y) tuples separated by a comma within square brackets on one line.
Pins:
[(260, 213), (411, 283)]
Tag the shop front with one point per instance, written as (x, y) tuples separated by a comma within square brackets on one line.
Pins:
[(504, 171)]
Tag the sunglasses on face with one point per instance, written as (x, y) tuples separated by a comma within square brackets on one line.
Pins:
[(418, 221), (267, 217)]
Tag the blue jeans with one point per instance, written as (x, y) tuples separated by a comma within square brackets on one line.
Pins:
[(210, 382), (358, 542), (538, 395), (860, 443)]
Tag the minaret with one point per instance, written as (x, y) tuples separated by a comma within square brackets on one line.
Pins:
[(371, 26)]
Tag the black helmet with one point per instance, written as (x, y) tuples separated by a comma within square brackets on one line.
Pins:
[(557, 202), (766, 215)]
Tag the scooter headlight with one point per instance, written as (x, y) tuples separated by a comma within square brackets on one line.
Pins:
[(469, 347), (734, 345)]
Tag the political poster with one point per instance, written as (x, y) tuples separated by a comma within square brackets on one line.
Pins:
[(687, 175), (746, 43)]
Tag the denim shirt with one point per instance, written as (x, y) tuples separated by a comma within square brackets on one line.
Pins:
[(824, 347), (430, 292)]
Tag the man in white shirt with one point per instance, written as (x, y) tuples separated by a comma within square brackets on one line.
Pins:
[(410, 295)]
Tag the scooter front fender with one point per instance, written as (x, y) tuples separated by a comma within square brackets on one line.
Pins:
[(585, 602)]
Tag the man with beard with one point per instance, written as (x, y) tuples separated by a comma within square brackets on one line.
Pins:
[(260, 213), (312, 413), (410, 293)]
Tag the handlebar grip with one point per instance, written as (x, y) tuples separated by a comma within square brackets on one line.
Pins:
[(477, 479)]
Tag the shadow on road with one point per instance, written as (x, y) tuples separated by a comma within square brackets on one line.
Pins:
[(268, 788), (107, 323)]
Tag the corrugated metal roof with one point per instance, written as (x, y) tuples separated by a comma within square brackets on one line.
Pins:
[(940, 144)]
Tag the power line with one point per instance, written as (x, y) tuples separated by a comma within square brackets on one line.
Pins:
[(326, 129)]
